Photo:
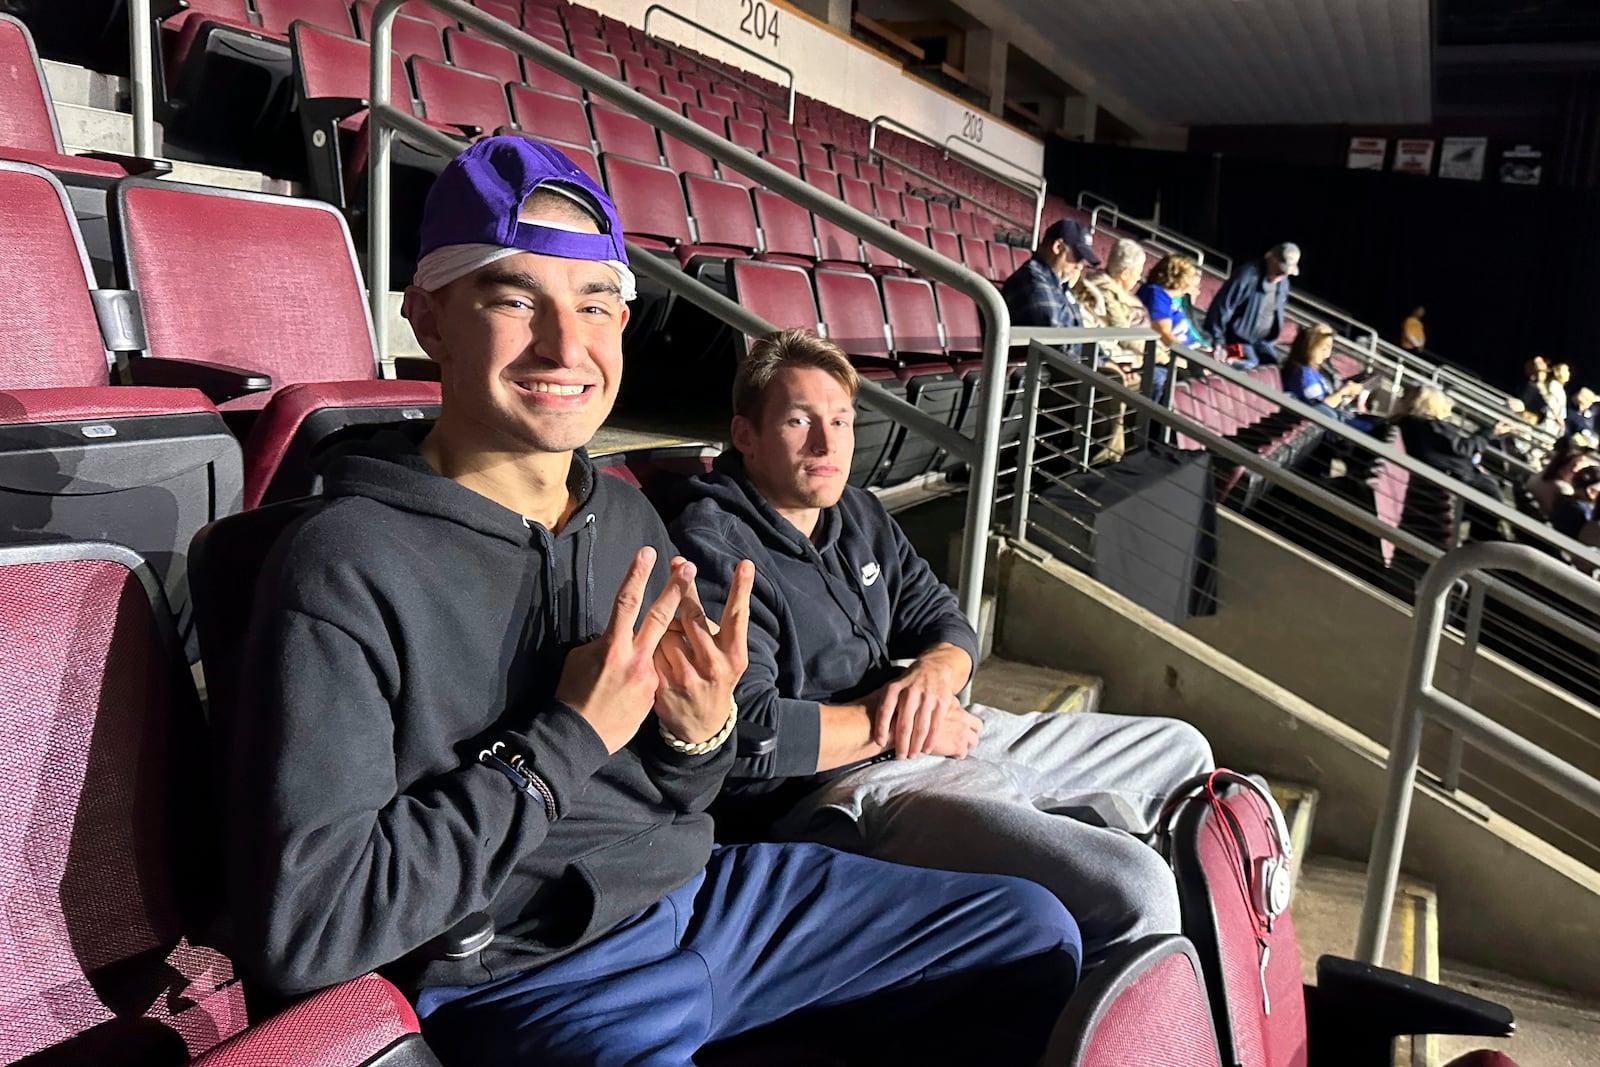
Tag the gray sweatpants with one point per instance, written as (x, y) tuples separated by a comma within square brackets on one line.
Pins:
[(1063, 800)]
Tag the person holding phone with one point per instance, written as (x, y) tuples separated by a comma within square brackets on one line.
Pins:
[(1307, 376)]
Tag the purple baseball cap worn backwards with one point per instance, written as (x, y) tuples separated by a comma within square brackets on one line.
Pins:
[(471, 216)]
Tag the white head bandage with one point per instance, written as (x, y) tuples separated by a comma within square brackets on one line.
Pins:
[(444, 265)]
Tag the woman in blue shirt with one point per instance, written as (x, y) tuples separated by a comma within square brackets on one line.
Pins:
[(1305, 378), (1162, 296)]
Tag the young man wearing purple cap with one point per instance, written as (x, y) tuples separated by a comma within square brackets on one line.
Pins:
[(479, 681)]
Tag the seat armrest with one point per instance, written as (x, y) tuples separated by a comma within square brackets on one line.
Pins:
[(1356, 1010), (365, 1022), (462, 941), (217, 381), (132, 164)]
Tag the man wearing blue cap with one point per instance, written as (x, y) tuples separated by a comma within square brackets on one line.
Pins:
[(476, 684), (1039, 293)]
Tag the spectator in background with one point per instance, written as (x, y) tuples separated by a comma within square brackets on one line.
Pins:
[(1534, 396), (1247, 316), (1431, 438), (1162, 295), (1555, 481), (1107, 299), (1581, 416), (1310, 378), (1575, 515), (1412, 335), (1039, 293)]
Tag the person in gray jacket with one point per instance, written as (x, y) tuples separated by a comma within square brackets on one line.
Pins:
[(880, 759)]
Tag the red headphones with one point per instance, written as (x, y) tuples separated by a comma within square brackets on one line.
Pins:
[(1266, 882)]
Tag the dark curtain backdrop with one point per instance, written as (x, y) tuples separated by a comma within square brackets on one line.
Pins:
[(1504, 271)]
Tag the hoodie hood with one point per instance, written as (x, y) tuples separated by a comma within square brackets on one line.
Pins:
[(729, 486)]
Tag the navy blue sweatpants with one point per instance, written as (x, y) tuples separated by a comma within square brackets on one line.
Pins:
[(863, 960)]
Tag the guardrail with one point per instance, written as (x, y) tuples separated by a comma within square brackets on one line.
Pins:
[(1027, 184), (731, 43), (141, 77), (980, 454), (1156, 235), (1421, 701)]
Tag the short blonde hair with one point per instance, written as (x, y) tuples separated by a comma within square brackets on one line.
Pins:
[(1426, 402), (786, 348), (1175, 274)]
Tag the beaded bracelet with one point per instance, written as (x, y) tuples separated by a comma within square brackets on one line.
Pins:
[(678, 744)]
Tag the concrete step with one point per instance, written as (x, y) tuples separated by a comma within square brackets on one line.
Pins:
[(97, 129), (1554, 1029), (1015, 686), (228, 178), (1327, 914), (70, 84)]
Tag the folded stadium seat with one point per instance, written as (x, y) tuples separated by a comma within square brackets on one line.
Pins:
[(847, 166), (1183, 402), (814, 156), (331, 15), (870, 172), (826, 180), (603, 62), (1147, 1004), (780, 146), (698, 82), (716, 101), (746, 136), (506, 12), (851, 308), (963, 334), (946, 244), (649, 200), (918, 234), (984, 226), (1223, 842), (755, 115), (837, 246), (550, 32), (549, 116), (781, 293), (640, 78), (220, 73), (704, 117), (886, 204), (1000, 263), (104, 854), (965, 225), (915, 210), (305, 420), (975, 254), (932, 383), (623, 135), (683, 94), (412, 36), (788, 166), (482, 56), (785, 228), (858, 194), (475, 104), (724, 220), (939, 217), (812, 135), (893, 176), (684, 158)]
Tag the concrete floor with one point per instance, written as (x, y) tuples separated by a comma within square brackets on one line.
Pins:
[(1553, 1029)]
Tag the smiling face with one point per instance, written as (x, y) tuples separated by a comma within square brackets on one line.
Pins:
[(529, 348), (797, 451)]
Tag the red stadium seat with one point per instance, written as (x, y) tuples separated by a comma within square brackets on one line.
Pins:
[(460, 97), (965, 225), (852, 312), (482, 56), (845, 165), (603, 62), (331, 83), (975, 254), (871, 173), (683, 94), (714, 121), (946, 244), (913, 317), (963, 330), (626, 135), (746, 136), (826, 180), (723, 217), (510, 13), (331, 15), (887, 204), (858, 194), (546, 80), (686, 159), (815, 156), (751, 113), (1147, 1004), (939, 217), (915, 209), (80, 457), (714, 101), (582, 155), (782, 147), (836, 245), (549, 116), (778, 292), (99, 969), (786, 227), (649, 200), (297, 253), (918, 234), (412, 36)]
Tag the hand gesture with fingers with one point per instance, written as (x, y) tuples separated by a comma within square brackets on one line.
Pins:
[(698, 663), (611, 681)]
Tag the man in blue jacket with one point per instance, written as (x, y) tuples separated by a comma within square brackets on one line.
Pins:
[(479, 681), (884, 760), (1247, 314)]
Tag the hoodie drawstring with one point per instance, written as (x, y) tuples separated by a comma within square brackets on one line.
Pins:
[(547, 554), (588, 576)]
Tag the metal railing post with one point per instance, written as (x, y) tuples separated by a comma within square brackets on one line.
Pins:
[(379, 152), (1473, 631), (141, 77)]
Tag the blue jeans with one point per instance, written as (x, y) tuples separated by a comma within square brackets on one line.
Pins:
[(1257, 353), (866, 960)]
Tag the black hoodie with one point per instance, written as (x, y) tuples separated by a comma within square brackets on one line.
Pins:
[(829, 614), (401, 628)]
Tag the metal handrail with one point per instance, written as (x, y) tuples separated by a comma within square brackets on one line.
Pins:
[(1156, 234), (947, 187), (1087, 194), (730, 42), (141, 77), (1420, 701), (385, 120)]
